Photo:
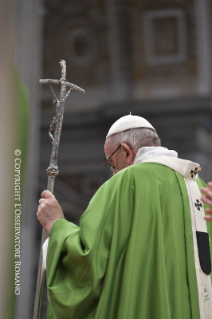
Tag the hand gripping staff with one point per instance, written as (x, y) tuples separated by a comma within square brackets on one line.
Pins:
[(52, 170)]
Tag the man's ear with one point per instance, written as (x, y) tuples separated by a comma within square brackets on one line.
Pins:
[(126, 149), (128, 153)]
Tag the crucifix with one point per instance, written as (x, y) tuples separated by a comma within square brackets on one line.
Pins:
[(52, 170)]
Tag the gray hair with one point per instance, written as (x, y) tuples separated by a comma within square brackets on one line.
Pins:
[(136, 137)]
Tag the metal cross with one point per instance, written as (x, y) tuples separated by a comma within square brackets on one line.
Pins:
[(56, 124)]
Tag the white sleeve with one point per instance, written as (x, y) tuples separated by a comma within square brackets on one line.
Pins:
[(45, 247)]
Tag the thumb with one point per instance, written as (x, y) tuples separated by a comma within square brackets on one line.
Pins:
[(46, 194)]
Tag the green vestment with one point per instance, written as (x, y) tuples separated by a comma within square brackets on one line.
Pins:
[(132, 256)]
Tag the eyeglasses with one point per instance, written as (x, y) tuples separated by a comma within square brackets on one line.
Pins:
[(107, 164)]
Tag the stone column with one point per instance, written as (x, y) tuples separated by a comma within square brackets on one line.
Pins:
[(7, 143), (204, 46), (27, 16), (119, 48)]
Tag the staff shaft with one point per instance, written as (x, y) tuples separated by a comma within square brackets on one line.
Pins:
[(41, 269)]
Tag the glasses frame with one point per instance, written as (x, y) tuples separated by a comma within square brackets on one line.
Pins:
[(107, 164)]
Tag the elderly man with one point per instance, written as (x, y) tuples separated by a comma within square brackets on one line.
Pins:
[(142, 250)]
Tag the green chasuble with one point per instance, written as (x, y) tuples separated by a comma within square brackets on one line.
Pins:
[(132, 256)]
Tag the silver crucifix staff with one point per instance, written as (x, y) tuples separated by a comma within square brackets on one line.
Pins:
[(52, 170)]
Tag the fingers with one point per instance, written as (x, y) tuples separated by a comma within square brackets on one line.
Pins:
[(45, 195), (41, 200), (205, 190), (49, 210), (206, 200), (209, 212), (47, 198)]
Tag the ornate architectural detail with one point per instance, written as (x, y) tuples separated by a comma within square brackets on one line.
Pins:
[(81, 46), (79, 37), (165, 36)]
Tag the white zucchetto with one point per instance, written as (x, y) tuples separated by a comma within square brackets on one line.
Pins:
[(128, 122)]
